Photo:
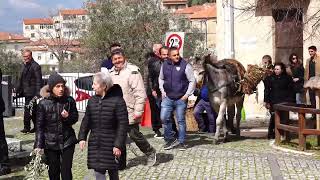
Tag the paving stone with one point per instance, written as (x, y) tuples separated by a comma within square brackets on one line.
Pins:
[(241, 159)]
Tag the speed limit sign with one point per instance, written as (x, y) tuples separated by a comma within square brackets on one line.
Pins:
[(175, 39)]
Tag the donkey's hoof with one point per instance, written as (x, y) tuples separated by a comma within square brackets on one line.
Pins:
[(238, 133), (225, 140), (215, 141), (233, 131)]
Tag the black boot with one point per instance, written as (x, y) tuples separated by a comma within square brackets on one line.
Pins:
[(4, 170)]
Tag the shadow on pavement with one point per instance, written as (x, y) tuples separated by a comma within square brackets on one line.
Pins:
[(24, 142), (197, 140), (163, 158), (19, 177), (142, 160)]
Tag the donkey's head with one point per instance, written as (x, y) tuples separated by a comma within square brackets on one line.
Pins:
[(217, 77)]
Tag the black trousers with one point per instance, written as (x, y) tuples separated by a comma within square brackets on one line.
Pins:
[(272, 123), (27, 117), (60, 162), (4, 160), (137, 137), (155, 113), (312, 96)]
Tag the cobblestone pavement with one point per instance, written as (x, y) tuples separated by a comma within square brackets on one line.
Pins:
[(241, 158)]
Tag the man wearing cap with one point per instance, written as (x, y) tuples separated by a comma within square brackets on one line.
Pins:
[(29, 86), (56, 113)]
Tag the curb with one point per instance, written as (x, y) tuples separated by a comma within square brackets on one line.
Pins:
[(272, 144)]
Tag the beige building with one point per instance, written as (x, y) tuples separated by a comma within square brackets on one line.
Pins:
[(13, 42), (44, 51), (204, 18), (268, 29), (174, 5)]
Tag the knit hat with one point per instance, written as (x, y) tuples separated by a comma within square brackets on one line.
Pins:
[(55, 79)]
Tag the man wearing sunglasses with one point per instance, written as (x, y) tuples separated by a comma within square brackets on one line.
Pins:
[(177, 83)]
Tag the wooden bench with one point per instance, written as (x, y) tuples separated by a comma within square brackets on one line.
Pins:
[(285, 124)]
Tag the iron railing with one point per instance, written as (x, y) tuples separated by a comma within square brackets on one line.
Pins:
[(70, 79)]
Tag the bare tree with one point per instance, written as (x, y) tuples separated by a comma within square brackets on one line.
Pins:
[(60, 44), (137, 25), (283, 11)]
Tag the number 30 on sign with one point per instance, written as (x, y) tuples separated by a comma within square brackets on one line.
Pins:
[(175, 39)]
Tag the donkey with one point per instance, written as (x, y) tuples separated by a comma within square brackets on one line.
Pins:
[(223, 80)]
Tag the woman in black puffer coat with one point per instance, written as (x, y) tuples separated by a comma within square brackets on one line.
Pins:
[(56, 113), (106, 118), (278, 89)]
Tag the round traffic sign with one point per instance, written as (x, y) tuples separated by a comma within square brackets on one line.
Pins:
[(174, 40)]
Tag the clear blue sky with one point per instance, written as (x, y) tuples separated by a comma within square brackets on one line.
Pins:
[(12, 12)]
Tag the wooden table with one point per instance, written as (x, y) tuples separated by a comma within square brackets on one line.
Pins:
[(282, 110)]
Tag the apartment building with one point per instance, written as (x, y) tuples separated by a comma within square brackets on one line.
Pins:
[(204, 18), (38, 28), (71, 23), (67, 24)]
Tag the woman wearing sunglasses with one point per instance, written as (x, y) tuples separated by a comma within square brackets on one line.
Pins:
[(297, 73)]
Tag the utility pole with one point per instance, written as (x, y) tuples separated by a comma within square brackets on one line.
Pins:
[(229, 51)]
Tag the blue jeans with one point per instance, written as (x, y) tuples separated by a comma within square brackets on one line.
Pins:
[(167, 107), (299, 98), (198, 110)]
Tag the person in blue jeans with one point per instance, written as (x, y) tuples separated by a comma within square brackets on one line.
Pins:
[(204, 105), (176, 83)]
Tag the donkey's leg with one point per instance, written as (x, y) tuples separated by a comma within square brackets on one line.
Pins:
[(221, 109), (225, 130), (238, 115), (230, 118)]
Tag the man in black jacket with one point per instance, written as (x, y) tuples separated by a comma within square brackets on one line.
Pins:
[(4, 160), (29, 86), (153, 91)]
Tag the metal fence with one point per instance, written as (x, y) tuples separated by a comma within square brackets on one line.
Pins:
[(70, 79)]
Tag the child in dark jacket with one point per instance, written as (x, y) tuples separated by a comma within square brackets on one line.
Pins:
[(204, 105)]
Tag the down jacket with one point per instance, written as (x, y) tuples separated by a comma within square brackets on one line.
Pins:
[(278, 89), (107, 120), (53, 131)]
